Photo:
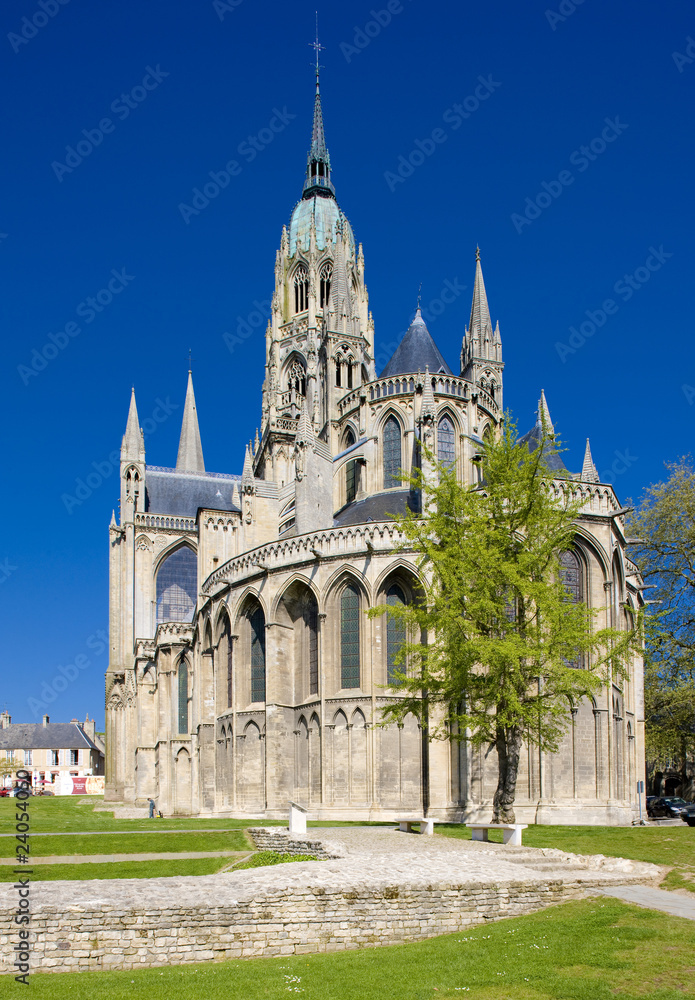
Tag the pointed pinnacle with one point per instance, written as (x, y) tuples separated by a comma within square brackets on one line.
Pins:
[(589, 472), (543, 419), (190, 455), (428, 404), (480, 321), (133, 445), (247, 474)]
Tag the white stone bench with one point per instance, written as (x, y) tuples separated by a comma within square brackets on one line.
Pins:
[(511, 832), (408, 825)]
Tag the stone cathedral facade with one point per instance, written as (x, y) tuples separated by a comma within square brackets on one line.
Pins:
[(243, 671)]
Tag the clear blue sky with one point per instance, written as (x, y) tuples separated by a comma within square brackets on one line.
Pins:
[(215, 76)]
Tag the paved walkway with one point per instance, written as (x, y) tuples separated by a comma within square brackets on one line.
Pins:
[(102, 859), (654, 899)]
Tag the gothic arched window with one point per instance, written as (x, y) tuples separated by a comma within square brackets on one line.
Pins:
[(183, 697), (301, 289), (350, 471), (296, 378), (350, 637), (392, 453), (571, 575), (257, 626), (446, 442), (177, 586), (395, 632), (310, 615), (325, 277)]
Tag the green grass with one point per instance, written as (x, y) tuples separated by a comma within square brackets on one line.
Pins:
[(660, 845), (261, 859), (119, 869), (67, 814), (126, 844), (589, 950)]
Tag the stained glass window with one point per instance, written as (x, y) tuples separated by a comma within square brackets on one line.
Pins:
[(310, 616), (257, 624), (183, 697), (177, 585), (350, 638), (395, 633), (392, 453), (446, 445), (571, 575)]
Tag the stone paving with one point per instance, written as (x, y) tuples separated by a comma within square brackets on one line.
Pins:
[(369, 857), (654, 899)]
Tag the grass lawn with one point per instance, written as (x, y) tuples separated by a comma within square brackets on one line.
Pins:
[(68, 814), (127, 844), (119, 869), (598, 949), (660, 845)]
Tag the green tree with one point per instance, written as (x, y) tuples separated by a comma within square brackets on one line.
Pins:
[(664, 522), (507, 651)]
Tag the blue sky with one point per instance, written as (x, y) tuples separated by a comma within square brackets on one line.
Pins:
[(190, 86)]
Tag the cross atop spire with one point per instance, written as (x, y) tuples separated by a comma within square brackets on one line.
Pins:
[(318, 170)]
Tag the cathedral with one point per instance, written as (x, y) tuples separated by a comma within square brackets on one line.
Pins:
[(244, 672)]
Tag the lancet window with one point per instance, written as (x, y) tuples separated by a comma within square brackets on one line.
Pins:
[(257, 626), (446, 442), (296, 378), (301, 289), (325, 278), (392, 453), (395, 633), (350, 637), (183, 697)]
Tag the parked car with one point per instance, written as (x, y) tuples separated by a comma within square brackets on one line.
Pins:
[(672, 807)]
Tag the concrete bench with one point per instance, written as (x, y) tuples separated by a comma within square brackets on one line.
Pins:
[(408, 825), (511, 832)]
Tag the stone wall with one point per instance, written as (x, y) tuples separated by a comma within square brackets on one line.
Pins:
[(271, 838), (146, 933)]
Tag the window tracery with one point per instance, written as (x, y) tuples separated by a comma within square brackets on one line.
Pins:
[(301, 289)]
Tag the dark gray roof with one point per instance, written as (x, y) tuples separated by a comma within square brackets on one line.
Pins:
[(533, 438), (170, 491), (376, 508), (416, 352), (36, 736)]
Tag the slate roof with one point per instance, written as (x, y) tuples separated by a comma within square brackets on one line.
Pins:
[(533, 438), (416, 352), (171, 491), (53, 736), (376, 508)]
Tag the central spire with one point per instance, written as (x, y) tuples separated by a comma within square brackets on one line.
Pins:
[(318, 170)]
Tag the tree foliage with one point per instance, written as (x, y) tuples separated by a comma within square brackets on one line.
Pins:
[(496, 641), (665, 523)]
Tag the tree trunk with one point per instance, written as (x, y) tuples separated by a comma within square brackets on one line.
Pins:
[(508, 742)]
